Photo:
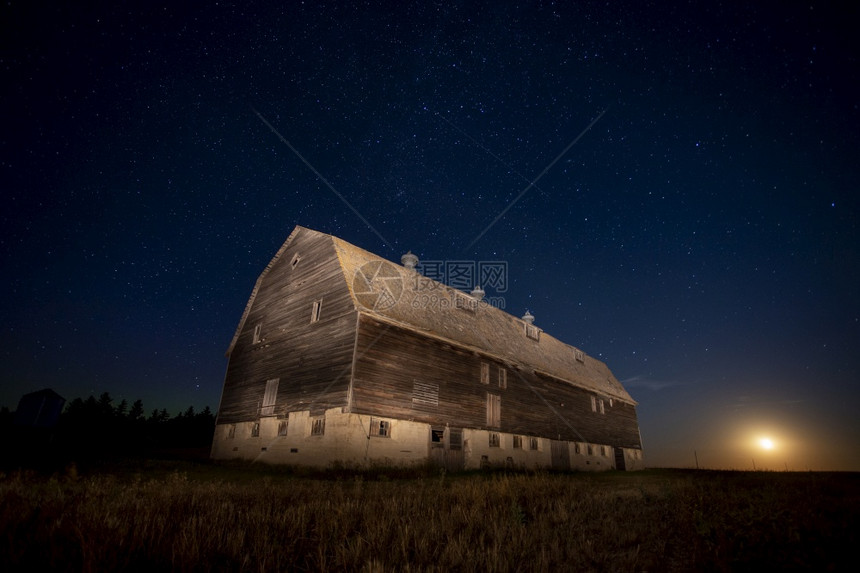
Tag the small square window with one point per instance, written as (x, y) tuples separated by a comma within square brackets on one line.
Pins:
[(518, 442), (318, 426), (437, 437), (495, 440), (534, 444), (380, 428), (580, 356), (532, 331)]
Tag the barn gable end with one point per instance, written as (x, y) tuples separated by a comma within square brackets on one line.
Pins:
[(298, 328)]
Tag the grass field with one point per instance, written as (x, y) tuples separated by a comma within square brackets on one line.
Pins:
[(174, 515)]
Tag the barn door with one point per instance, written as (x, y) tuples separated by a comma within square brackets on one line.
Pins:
[(446, 448), (560, 455), (619, 459)]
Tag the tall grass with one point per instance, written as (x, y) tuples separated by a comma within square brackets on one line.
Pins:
[(259, 520)]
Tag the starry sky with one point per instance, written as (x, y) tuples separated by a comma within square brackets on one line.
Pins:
[(673, 187)]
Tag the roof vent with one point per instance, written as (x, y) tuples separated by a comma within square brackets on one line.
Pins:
[(478, 293), (409, 260), (528, 318)]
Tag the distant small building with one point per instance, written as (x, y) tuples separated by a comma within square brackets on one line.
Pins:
[(344, 357), (40, 409)]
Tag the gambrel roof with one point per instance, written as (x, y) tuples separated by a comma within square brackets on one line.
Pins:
[(402, 297)]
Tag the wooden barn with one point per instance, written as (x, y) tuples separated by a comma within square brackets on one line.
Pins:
[(343, 357)]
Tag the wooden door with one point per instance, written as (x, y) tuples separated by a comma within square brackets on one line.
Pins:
[(560, 455), (446, 449), (619, 459)]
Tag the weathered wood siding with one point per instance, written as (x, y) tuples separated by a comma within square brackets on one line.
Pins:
[(396, 368), (312, 360)]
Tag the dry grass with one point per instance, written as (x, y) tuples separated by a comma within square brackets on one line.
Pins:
[(198, 517)]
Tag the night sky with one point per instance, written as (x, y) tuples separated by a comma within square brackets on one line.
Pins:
[(701, 237)]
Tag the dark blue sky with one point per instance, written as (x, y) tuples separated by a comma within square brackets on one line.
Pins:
[(701, 238)]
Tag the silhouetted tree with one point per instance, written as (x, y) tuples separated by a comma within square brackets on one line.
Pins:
[(105, 407), (136, 412)]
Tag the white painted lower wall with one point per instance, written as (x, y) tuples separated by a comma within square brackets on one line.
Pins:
[(346, 439), (353, 440)]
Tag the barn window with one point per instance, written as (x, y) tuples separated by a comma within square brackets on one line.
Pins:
[(231, 431), (380, 428), (485, 373), (532, 331), (455, 439), (534, 444), (258, 330), (600, 403), (590, 450), (318, 426), (255, 430), (494, 410), (576, 448), (503, 378), (282, 428), (518, 442), (495, 440), (603, 450), (315, 310), (593, 403), (437, 437), (268, 408), (579, 355), (295, 261)]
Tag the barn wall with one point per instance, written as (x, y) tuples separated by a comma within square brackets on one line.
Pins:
[(345, 440), (633, 459), (396, 367), (479, 453), (311, 360)]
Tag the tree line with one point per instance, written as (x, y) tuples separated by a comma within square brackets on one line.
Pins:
[(95, 429)]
